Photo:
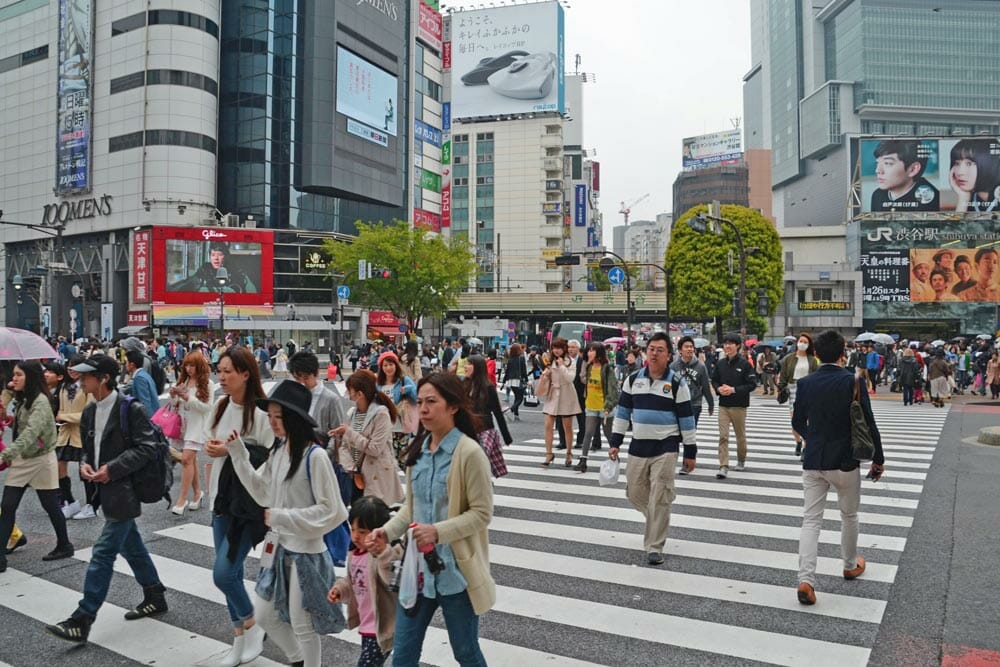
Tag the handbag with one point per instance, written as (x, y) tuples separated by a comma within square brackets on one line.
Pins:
[(862, 443), (169, 421), (357, 476), (783, 395), (544, 385)]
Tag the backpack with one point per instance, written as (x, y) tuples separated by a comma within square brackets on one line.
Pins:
[(153, 481), (159, 377)]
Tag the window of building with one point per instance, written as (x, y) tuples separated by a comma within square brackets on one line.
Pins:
[(822, 293), (124, 142), (128, 24), (25, 58), (174, 17), (180, 138), (801, 296)]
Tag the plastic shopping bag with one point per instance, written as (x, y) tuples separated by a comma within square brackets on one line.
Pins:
[(608, 475), (411, 573)]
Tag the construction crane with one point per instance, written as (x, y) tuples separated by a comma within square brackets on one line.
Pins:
[(626, 210)]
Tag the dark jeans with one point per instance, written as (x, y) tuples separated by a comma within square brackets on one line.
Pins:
[(118, 537), (459, 619), (518, 399), (907, 395), (228, 575), (50, 503)]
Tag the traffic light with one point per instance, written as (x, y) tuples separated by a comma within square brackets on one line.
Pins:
[(567, 260), (381, 274), (762, 303)]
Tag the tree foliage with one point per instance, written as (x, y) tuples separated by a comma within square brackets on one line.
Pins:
[(700, 284), (427, 273)]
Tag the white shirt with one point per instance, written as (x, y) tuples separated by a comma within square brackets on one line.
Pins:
[(104, 408), (801, 368), (232, 420), (316, 392)]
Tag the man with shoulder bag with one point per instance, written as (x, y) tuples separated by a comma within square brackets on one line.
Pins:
[(111, 458), (823, 414)]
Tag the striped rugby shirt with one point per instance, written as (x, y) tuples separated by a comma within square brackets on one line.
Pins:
[(660, 412)]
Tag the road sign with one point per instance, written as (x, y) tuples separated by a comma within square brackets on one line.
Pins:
[(341, 302), (616, 276), (343, 292), (362, 269)]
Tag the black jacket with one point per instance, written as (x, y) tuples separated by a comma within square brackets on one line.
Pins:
[(909, 371), (516, 369), (118, 499), (739, 375), (822, 414)]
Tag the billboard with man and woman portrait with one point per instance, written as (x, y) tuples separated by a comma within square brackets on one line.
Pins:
[(908, 175)]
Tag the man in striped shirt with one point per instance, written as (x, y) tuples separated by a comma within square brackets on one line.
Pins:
[(657, 401)]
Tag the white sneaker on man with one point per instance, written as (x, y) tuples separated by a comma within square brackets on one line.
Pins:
[(86, 512), (740, 467), (70, 510), (723, 472)]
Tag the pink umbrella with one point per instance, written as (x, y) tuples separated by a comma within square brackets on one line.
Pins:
[(21, 344)]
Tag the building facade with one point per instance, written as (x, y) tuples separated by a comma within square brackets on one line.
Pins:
[(727, 184)]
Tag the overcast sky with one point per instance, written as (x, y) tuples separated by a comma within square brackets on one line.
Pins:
[(664, 70)]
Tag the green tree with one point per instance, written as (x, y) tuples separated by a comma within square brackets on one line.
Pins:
[(700, 284), (426, 273)]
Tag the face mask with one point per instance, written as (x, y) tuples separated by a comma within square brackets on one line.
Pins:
[(802, 346)]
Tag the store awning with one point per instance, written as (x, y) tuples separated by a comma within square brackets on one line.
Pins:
[(386, 331), (133, 330)]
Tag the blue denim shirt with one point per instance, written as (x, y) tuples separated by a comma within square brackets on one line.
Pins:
[(429, 481)]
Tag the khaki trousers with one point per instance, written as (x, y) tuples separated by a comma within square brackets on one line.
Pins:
[(815, 485), (738, 418), (649, 485)]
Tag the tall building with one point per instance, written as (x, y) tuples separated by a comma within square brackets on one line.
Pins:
[(727, 184), (646, 243), (823, 72)]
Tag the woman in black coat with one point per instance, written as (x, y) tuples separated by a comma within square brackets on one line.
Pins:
[(515, 376)]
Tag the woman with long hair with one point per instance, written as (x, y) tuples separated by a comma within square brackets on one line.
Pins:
[(794, 367), (192, 398), (298, 487), (449, 501), (515, 376), (486, 404), (402, 391), (17, 538), (973, 176), (31, 458), (69, 442), (237, 521), (561, 401), (410, 362), (600, 398), (54, 374), (992, 377), (365, 440)]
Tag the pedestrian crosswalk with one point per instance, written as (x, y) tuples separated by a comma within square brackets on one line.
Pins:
[(572, 585)]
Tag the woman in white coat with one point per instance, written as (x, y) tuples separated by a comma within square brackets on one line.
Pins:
[(192, 398)]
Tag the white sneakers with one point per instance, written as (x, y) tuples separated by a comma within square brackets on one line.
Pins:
[(740, 467), (70, 510), (723, 473), (253, 643), (86, 512)]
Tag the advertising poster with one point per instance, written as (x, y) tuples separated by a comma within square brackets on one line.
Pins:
[(931, 271), (73, 80), (141, 283), (508, 60), (580, 205), (429, 26), (949, 174), (187, 262), (427, 220), (107, 321), (712, 150), (366, 93)]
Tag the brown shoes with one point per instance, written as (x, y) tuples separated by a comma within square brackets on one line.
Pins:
[(806, 594), (858, 570)]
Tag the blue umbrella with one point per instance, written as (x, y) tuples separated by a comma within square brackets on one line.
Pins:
[(773, 343)]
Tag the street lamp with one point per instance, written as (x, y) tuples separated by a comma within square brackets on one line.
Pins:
[(222, 280), (18, 283)]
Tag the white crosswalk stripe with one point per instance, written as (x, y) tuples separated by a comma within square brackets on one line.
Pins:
[(567, 557)]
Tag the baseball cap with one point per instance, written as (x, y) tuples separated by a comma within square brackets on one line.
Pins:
[(101, 364)]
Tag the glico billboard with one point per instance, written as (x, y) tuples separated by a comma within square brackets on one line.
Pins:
[(909, 175), (508, 60), (186, 263)]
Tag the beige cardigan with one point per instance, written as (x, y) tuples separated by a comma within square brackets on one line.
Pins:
[(470, 510), (384, 600)]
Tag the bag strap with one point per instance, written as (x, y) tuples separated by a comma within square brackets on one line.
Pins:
[(126, 401)]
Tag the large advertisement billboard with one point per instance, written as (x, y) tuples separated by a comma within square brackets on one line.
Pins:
[(508, 60), (712, 150), (365, 92), (73, 95), (931, 270), (186, 263), (905, 175)]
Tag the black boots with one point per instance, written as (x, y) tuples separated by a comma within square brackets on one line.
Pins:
[(60, 552), (76, 628), (582, 465), (153, 602)]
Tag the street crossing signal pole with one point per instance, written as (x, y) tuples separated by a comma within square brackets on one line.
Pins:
[(606, 263), (702, 223)]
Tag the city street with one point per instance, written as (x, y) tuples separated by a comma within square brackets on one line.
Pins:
[(573, 587)]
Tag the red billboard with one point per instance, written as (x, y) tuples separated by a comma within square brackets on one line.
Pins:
[(429, 26), (141, 266), (186, 263), (427, 220)]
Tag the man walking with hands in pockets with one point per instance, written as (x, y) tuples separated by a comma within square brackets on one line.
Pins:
[(822, 414), (658, 403)]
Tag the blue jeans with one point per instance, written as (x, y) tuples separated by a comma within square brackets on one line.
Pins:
[(460, 620), (696, 409), (118, 537), (228, 575), (908, 395)]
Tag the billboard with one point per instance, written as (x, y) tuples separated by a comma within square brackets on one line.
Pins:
[(366, 93), (186, 261), (73, 95), (429, 26), (141, 268), (580, 205), (712, 150), (931, 270), (508, 60), (902, 175)]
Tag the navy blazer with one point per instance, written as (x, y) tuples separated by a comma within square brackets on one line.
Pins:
[(822, 414)]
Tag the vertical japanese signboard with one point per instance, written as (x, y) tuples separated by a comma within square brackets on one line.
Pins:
[(73, 79), (141, 241), (580, 206), (429, 26)]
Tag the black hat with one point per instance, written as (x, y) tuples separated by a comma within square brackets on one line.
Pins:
[(290, 395), (101, 364)]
